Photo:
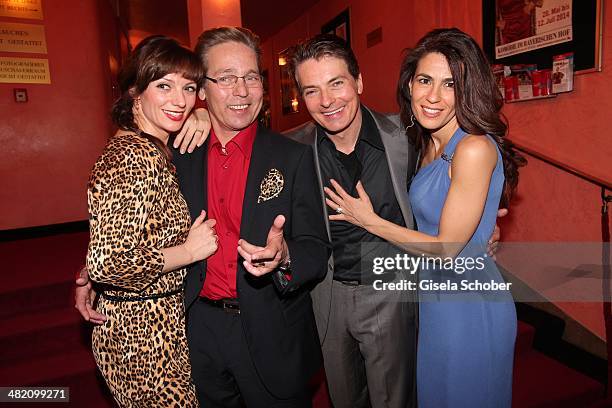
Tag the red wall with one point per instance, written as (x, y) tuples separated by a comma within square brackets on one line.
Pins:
[(50, 143), (573, 128), (205, 14), (402, 22)]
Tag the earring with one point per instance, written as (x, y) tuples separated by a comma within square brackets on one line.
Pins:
[(411, 122)]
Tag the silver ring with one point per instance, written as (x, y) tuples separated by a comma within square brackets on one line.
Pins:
[(339, 210)]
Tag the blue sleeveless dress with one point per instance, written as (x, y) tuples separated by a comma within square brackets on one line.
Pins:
[(466, 337)]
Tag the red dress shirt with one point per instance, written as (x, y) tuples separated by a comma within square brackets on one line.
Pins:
[(227, 175)]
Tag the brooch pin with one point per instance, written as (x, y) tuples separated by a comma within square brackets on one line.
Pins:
[(271, 186)]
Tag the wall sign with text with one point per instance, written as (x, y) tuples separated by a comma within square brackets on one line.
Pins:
[(24, 70), (533, 31), (21, 9), (523, 26), (28, 38)]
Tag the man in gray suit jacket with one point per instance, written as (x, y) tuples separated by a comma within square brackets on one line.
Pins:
[(368, 337)]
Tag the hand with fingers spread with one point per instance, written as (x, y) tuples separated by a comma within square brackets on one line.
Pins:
[(357, 211), (84, 297), (202, 239), (259, 261), (194, 132)]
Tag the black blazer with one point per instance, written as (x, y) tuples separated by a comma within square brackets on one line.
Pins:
[(278, 322)]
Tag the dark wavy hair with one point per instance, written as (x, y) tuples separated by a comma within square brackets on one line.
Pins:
[(319, 46), (478, 101), (152, 59)]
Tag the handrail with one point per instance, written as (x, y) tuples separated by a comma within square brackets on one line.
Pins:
[(562, 166), (605, 232)]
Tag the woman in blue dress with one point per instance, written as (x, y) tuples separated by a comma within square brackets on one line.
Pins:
[(466, 333)]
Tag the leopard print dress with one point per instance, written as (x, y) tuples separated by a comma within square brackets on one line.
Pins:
[(135, 210)]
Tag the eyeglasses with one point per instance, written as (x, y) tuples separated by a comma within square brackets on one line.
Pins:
[(229, 81)]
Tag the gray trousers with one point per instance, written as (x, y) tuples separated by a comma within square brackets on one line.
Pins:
[(370, 348)]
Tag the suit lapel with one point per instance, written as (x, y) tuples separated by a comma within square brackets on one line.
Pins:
[(203, 183), (401, 161), (311, 139), (260, 161), (192, 171), (193, 182)]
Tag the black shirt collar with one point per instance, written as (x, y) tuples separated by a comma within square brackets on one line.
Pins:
[(368, 133)]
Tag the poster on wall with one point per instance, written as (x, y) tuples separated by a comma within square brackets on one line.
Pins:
[(340, 26), (24, 71), (534, 31), (526, 25), (21, 9), (28, 38)]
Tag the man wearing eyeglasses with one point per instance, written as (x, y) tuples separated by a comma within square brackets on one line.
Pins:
[(251, 328), (250, 325)]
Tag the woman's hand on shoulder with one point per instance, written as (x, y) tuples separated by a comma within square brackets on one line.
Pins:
[(194, 132)]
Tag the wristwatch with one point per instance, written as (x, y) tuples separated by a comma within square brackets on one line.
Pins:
[(282, 273), (286, 267)]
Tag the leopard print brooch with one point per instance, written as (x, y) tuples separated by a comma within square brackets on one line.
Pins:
[(271, 186)]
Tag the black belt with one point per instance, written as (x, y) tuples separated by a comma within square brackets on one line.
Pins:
[(153, 296), (355, 282), (229, 305), (385, 277)]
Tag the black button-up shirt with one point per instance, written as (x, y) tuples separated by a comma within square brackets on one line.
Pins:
[(367, 163)]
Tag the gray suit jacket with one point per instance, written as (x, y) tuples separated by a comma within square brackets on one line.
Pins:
[(402, 160)]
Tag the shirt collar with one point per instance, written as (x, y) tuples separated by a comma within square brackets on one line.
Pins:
[(368, 133), (243, 140)]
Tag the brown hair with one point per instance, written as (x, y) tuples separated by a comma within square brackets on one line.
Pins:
[(221, 35), (323, 45), (152, 59), (478, 101)]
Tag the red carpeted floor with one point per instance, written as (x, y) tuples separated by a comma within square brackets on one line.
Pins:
[(43, 341)]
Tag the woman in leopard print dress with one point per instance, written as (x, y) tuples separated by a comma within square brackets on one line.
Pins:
[(141, 238)]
